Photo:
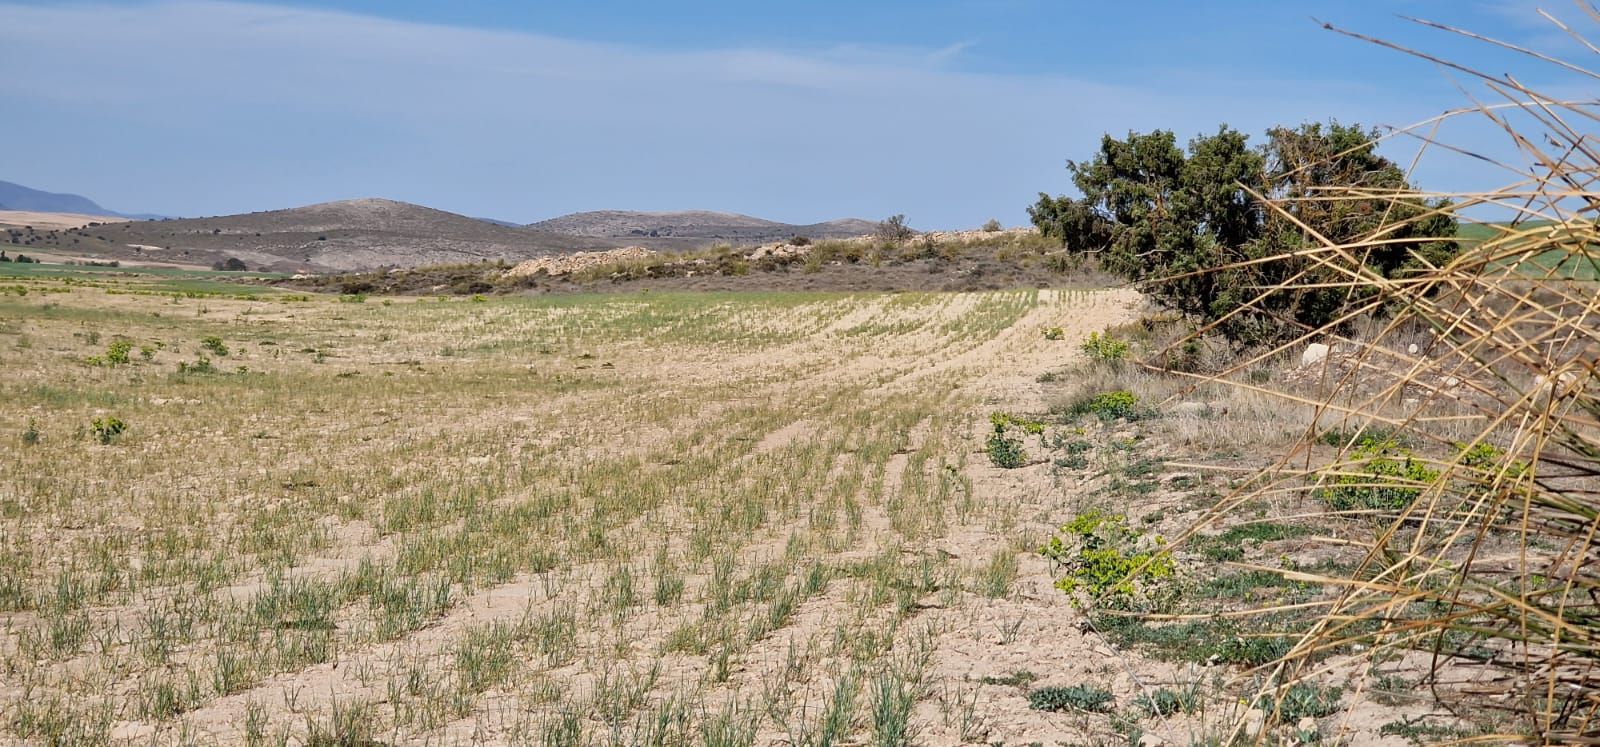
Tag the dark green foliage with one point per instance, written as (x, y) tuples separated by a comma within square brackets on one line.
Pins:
[(1171, 218), (215, 345), (1075, 222), (1005, 451), (30, 435), (1302, 700), (1071, 698), (231, 264), (106, 429)]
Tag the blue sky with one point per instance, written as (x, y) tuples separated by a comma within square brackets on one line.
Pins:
[(950, 111)]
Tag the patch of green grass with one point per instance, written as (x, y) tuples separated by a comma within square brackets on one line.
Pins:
[(1227, 546)]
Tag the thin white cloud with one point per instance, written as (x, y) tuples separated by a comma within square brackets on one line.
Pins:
[(231, 106)]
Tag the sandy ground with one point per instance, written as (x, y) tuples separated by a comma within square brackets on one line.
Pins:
[(868, 407), (52, 221)]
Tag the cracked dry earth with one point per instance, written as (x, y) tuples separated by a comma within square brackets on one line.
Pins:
[(647, 519)]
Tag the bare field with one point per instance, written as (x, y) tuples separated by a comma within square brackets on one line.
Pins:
[(44, 221), (624, 519)]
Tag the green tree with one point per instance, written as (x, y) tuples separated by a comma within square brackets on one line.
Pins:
[(1186, 223)]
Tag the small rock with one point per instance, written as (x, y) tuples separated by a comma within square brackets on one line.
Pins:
[(1255, 720), (1151, 740), (1413, 349), (1315, 353), (1307, 724)]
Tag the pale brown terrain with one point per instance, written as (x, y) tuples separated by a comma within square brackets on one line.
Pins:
[(48, 221), (533, 519)]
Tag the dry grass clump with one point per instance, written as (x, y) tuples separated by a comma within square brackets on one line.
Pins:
[(1467, 415)]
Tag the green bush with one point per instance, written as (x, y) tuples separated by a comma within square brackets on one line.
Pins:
[(1104, 347), (117, 352), (30, 435), (1055, 333), (107, 429), (1302, 700), (1184, 222), (1087, 698), (215, 345), (1112, 405), (1102, 556)]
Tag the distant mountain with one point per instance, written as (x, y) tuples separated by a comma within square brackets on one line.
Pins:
[(18, 197), (695, 224), (346, 235), (376, 233)]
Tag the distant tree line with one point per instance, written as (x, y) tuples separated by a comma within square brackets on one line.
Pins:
[(19, 258), (1188, 224)]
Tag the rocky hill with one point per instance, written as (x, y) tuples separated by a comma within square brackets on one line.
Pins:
[(704, 225), (334, 236), (372, 233)]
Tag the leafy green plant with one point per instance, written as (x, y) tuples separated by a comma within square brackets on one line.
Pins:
[(1386, 477), (1103, 557), (30, 435), (1104, 347), (1301, 700), (117, 352), (1055, 333), (215, 345), (1088, 698), (1005, 451), (1113, 405), (107, 429)]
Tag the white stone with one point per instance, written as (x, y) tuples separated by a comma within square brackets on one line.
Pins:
[(1412, 348), (1315, 353)]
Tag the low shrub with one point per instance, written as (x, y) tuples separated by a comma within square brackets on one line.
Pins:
[(1105, 558), (1301, 700), (1113, 405), (107, 429), (1104, 347), (1004, 450), (215, 345), (1087, 698)]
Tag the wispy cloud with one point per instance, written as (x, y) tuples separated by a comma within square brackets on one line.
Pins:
[(230, 106)]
